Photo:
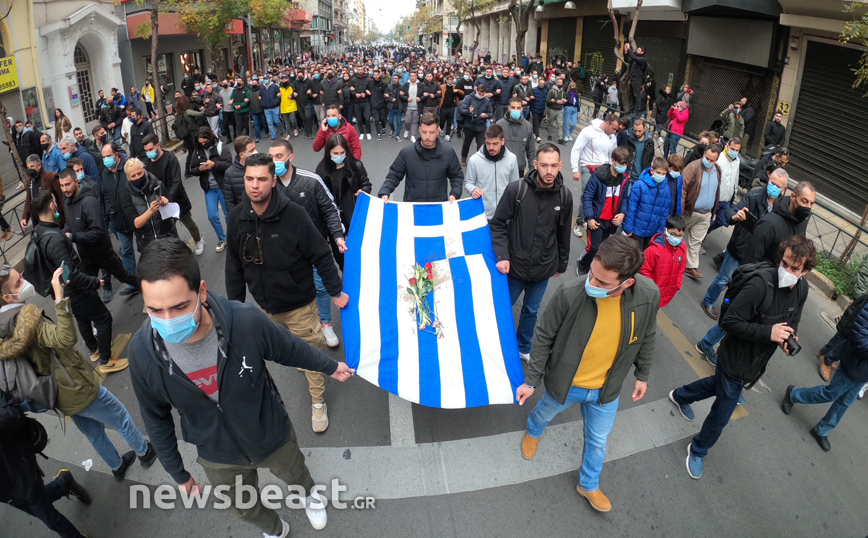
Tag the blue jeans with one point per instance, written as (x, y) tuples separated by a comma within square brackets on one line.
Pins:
[(598, 420), (671, 145), (323, 299), (259, 123), (212, 198), (842, 391), (272, 117), (720, 219), (571, 119), (726, 391), (533, 294), (714, 335), (727, 268), (41, 506), (107, 410), (395, 120), (127, 255)]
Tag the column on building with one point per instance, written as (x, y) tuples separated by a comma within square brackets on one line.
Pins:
[(530, 37), (484, 34), (494, 39)]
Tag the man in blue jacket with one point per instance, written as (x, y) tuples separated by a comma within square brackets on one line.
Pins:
[(605, 204), (206, 356), (269, 97)]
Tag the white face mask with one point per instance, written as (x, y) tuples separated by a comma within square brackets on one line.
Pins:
[(27, 291), (786, 279)]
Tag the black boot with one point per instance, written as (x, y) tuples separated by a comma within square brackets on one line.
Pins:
[(149, 457), (71, 487), (126, 460)]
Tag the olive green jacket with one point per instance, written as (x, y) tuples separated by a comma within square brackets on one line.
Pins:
[(564, 328), (27, 331)]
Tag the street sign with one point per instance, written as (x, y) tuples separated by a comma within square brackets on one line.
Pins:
[(8, 74)]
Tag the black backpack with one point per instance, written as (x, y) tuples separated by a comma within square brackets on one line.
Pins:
[(740, 277), (182, 126), (522, 191), (37, 268)]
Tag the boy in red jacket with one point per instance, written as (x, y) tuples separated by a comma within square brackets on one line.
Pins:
[(666, 258)]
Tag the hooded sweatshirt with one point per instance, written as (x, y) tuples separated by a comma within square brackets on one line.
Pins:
[(593, 147), (491, 174)]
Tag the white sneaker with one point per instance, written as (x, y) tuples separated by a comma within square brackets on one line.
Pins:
[(406, 133), (319, 417), (413, 139), (448, 138), (330, 337), (578, 230), (315, 508), (369, 136), (862, 391), (283, 533), (660, 139), (200, 247), (524, 356)]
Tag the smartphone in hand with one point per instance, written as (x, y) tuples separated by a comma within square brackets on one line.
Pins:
[(64, 277)]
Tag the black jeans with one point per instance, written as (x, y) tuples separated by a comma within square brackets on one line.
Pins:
[(536, 120), (597, 105), (90, 312), (638, 102), (309, 119), (111, 265), (228, 125), (42, 508), (242, 123), (469, 137), (595, 237), (363, 118), (446, 117), (378, 119)]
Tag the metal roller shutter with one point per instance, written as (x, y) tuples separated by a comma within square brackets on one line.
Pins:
[(562, 39), (827, 147), (598, 48)]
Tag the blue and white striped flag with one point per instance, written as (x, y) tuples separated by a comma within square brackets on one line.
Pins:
[(476, 360)]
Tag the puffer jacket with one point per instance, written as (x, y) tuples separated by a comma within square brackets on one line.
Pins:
[(433, 180), (679, 120), (27, 331), (233, 184), (648, 206), (534, 234), (135, 203), (538, 104), (481, 105), (604, 189), (665, 265), (675, 186), (854, 360)]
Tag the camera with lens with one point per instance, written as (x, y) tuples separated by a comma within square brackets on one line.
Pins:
[(792, 346)]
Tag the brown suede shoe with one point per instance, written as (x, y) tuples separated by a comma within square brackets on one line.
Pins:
[(598, 501), (528, 446), (693, 273)]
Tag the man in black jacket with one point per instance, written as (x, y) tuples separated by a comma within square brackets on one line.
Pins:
[(166, 168), (114, 188), (273, 248), (530, 232), (233, 179), (763, 316), (360, 88), (110, 117), (26, 142), (139, 129), (775, 133), (430, 93), (641, 147), (638, 66), (212, 368), (378, 104), (430, 166), (789, 217), (21, 478)]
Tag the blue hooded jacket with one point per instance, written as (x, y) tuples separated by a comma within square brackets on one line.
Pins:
[(647, 206), (538, 105)]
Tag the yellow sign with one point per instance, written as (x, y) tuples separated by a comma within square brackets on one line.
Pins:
[(783, 108), (8, 74)]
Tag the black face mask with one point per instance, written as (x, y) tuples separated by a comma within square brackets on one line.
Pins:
[(802, 213), (139, 183), (32, 173), (45, 146), (226, 86)]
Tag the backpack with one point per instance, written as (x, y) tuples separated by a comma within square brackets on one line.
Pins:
[(182, 126), (37, 268), (740, 277), (20, 379), (522, 191)]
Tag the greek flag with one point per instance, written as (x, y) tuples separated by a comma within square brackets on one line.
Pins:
[(474, 360)]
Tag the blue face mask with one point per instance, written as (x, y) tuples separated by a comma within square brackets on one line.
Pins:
[(109, 162), (672, 240), (79, 176), (705, 163), (176, 330), (333, 122), (673, 174), (598, 293), (659, 178), (515, 114), (279, 168), (466, 77), (316, 76), (732, 154), (339, 160), (66, 156), (620, 168), (151, 155), (773, 190)]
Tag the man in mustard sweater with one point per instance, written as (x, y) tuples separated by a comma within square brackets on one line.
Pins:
[(614, 313)]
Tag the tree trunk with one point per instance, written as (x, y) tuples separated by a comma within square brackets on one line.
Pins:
[(155, 71)]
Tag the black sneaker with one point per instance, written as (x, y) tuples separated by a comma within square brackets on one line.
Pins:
[(71, 487), (107, 296), (149, 457), (787, 403), (127, 292), (126, 460), (822, 440)]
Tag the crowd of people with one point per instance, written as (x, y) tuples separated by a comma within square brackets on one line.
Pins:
[(645, 217)]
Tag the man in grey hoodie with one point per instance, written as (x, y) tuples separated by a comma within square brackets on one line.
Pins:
[(490, 170)]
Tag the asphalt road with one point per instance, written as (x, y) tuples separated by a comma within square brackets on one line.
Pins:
[(458, 473)]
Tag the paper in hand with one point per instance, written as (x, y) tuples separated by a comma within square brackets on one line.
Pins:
[(170, 211)]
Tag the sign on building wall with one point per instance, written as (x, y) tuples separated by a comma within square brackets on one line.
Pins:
[(8, 74), (74, 99), (783, 108)]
